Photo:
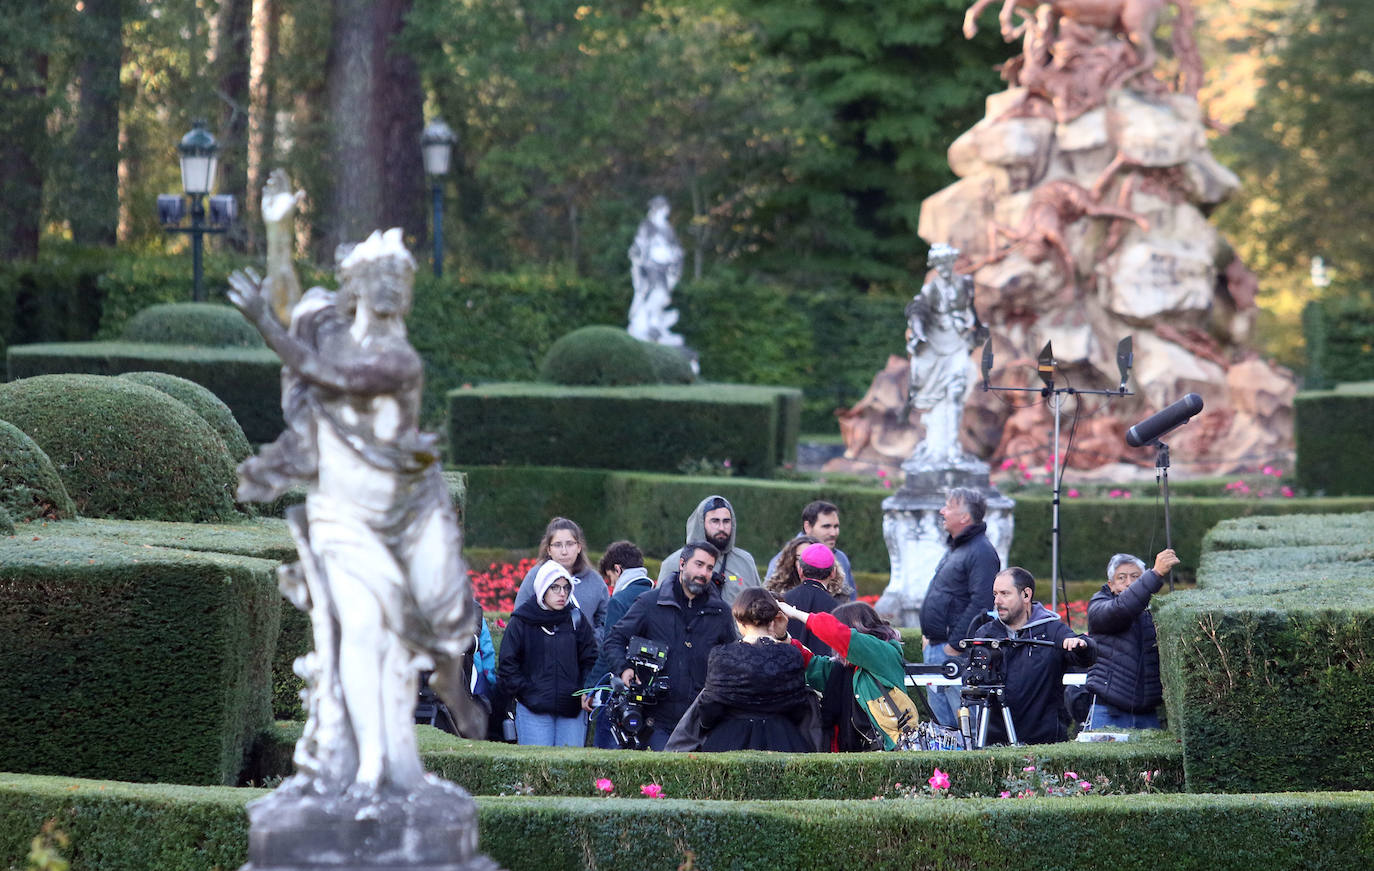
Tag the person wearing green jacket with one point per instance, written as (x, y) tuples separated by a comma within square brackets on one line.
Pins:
[(868, 661)]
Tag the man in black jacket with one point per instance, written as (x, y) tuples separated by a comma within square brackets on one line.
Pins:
[(1034, 673), (1125, 681), (688, 617), (960, 591)]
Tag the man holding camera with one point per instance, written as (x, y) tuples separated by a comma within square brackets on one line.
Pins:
[(1034, 673), (687, 617)]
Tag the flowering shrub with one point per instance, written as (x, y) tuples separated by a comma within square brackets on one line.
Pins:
[(651, 790), (1033, 781), (1074, 613), (604, 786), (1261, 489), (496, 587)]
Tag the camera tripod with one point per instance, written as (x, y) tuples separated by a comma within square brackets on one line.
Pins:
[(985, 685)]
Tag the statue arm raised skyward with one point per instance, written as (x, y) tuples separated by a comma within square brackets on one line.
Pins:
[(278, 213)]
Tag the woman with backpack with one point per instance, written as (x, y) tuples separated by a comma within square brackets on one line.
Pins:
[(863, 704)]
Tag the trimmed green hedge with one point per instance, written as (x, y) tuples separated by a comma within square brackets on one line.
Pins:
[(128, 661), (598, 356), (509, 507), (248, 380), (119, 827), (1328, 427), (202, 402), (206, 324), (654, 428), (30, 487), (123, 449), (1337, 333), (1266, 665)]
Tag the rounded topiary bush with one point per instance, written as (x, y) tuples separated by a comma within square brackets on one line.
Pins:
[(671, 366), (204, 403), (30, 487), (192, 323), (605, 356), (124, 450)]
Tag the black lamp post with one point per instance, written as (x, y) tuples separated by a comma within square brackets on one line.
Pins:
[(199, 155), (437, 145)]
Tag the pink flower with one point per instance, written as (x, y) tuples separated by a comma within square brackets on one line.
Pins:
[(1008, 463), (882, 473), (604, 785), (1027, 474), (1125, 494), (726, 464), (1073, 494), (887, 485), (1085, 784), (1070, 775), (939, 780), (500, 624), (1286, 491), (1029, 768), (1115, 494), (1004, 794), (651, 790)]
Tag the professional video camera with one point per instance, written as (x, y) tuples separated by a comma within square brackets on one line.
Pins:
[(628, 703), (985, 682)]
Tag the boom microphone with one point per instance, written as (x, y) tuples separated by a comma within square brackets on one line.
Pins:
[(1151, 428)]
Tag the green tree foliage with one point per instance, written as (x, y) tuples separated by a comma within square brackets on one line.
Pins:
[(1302, 154), (900, 82)]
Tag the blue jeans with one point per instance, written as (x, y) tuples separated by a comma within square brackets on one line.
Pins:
[(944, 701), (546, 730), (1105, 716)]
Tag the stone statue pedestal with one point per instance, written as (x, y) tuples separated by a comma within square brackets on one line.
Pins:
[(432, 828), (915, 534)]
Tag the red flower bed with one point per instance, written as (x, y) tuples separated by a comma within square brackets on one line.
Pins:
[(496, 587)]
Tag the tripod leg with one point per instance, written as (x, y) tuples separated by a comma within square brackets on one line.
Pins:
[(1006, 719), (982, 740)]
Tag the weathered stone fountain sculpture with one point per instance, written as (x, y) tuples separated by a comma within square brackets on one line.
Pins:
[(942, 326), (655, 269), (1081, 209), (380, 573)]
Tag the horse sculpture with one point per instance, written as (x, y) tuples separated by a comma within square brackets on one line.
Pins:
[(1134, 19)]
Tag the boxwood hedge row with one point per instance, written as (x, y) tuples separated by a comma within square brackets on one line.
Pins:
[(510, 506), (122, 827), (130, 661), (1267, 669), (1327, 427)]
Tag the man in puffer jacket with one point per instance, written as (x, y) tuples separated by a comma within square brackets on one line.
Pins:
[(714, 521), (1125, 681)]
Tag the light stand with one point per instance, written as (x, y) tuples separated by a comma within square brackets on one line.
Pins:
[(1045, 367), (1162, 480)]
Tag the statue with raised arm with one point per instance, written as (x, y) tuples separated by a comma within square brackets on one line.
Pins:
[(942, 327), (655, 268), (381, 572)]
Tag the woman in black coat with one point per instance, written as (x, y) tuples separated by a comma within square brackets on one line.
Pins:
[(546, 658), (755, 697)]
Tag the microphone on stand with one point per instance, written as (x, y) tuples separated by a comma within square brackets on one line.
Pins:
[(1163, 422)]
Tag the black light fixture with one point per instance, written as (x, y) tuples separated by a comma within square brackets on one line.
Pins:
[(198, 153), (436, 144)]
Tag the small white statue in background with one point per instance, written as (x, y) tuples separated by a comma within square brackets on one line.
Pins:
[(655, 268)]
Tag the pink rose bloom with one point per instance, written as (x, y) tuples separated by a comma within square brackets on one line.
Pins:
[(1085, 784), (1073, 494), (604, 785), (1008, 463), (887, 485), (1115, 494), (1029, 768), (882, 473), (652, 790), (1286, 491), (1004, 794), (1069, 775), (939, 780)]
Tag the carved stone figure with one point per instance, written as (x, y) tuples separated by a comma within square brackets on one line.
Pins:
[(942, 327), (381, 575), (278, 211), (655, 268)]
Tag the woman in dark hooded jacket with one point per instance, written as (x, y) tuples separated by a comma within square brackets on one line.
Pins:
[(546, 658), (755, 697)]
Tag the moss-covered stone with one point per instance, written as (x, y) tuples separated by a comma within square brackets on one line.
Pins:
[(30, 487), (598, 356), (124, 450), (212, 325), (204, 403)]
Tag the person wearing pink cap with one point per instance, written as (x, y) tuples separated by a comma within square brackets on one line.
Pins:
[(816, 563)]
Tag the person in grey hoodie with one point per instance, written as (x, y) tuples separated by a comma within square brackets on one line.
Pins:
[(714, 521)]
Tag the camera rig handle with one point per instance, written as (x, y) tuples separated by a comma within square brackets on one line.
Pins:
[(995, 643)]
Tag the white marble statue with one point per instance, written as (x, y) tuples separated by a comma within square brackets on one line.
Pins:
[(655, 268), (942, 327), (381, 572)]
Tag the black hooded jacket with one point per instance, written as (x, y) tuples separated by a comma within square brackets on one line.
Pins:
[(1126, 674), (961, 589), (545, 659)]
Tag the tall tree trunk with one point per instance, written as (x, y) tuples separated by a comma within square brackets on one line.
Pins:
[(23, 143), (94, 208), (374, 110), (231, 67)]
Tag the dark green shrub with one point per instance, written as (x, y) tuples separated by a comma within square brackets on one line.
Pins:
[(208, 324), (671, 365), (132, 662), (6, 522), (203, 403), (653, 428), (124, 827), (124, 450), (1337, 334), (56, 298), (1328, 427), (598, 357), (30, 487), (245, 379), (1265, 664)]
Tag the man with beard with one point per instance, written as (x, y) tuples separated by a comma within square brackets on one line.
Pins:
[(686, 617), (714, 521)]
